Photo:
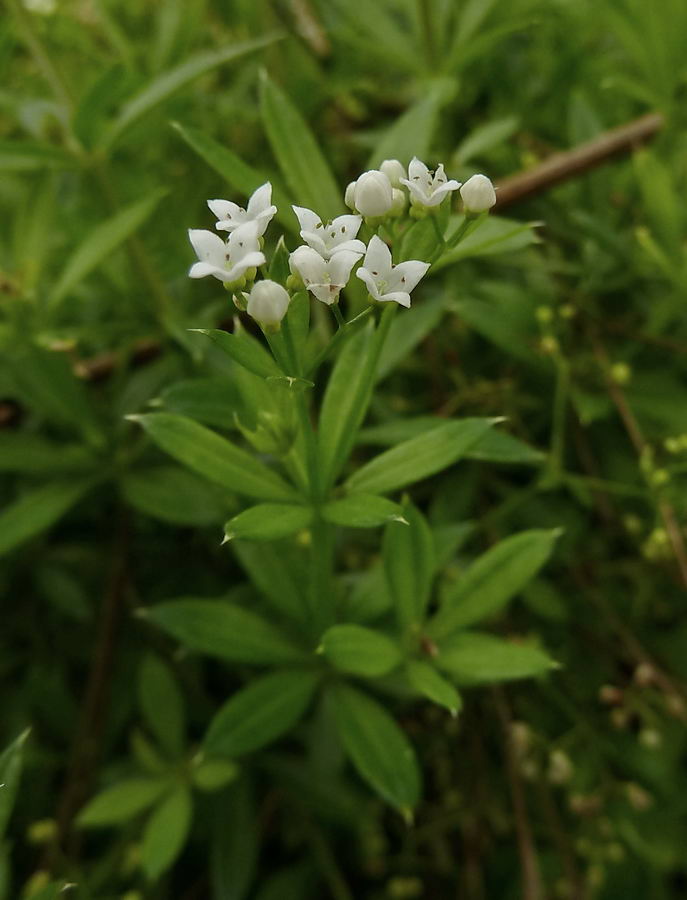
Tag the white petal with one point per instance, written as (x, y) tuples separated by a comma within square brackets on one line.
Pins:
[(259, 200), (340, 266), (308, 263), (227, 213), (313, 239), (378, 258), (201, 269), (399, 297), (250, 261), (356, 247), (445, 188), (209, 246), (406, 275), (418, 171), (368, 278), (327, 293), (418, 191), (243, 240), (346, 227), (307, 219)]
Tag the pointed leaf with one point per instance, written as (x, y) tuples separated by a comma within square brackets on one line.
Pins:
[(274, 571), (176, 495), (425, 679), (38, 509), (166, 832), (474, 658), (411, 134), (235, 841), (360, 651), (122, 801), (408, 552), (268, 522), (243, 350), (362, 511), (10, 771), (161, 704)]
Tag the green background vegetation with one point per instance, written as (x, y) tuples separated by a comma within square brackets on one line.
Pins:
[(575, 781)]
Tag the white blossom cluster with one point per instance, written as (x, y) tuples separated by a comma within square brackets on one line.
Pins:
[(324, 263)]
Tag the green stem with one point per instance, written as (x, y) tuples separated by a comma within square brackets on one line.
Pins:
[(337, 338), (321, 591), (560, 403), (341, 322)]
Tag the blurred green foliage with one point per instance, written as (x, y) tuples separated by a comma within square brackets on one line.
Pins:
[(579, 340)]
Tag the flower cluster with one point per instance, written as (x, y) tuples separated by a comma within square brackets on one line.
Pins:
[(324, 263)]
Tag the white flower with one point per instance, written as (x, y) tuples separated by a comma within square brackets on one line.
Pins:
[(478, 194), (394, 171), (372, 195), (335, 237), (231, 215), (226, 260), (385, 281), (427, 188), (349, 196), (267, 303), (323, 278)]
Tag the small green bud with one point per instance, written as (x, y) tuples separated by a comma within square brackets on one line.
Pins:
[(621, 373), (544, 314)]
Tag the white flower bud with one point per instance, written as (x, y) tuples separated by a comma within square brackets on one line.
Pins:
[(478, 194), (400, 202), (394, 171), (373, 195), (349, 196), (267, 303)]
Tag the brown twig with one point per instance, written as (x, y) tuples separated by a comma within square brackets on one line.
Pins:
[(567, 165), (310, 28)]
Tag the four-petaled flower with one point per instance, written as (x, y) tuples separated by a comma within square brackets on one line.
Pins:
[(385, 281), (228, 260), (323, 278), (259, 209), (427, 188), (335, 237)]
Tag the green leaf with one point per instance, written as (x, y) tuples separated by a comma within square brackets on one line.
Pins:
[(300, 159), (494, 236), (213, 774), (36, 455), (377, 747), (279, 269), (38, 509), (474, 658), (239, 175), (10, 772), (122, 801), (214, 457), (271, 569), (161, 704), (212, 401), (175, 495), (166, 832), (411, 134), (419, 457), (362, 511), (408, 552), (425, 679), (162, 87), (244, 350), (407, 331), (359, 650), (223, 630), (485, 137), (25, 156), (235, 842), (369, 598), (492, 580), (101, 241), (420, 241), (260, 713), (268, 522)]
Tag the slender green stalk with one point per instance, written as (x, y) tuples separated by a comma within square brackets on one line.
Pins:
[(341, 322), (560, 403)]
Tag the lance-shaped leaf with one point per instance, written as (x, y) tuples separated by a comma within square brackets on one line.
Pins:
[(33, 454), (215, 458), (243, 350), (300, 159), (419, 457), (260, 713), (102, 241), (274, 570), (122, 801), (474, 658), (235, 841), (362, 511), (224, 630), (268, 522), (377, 747), (492, 580), (175, 495), (166, 832), (408, 552), (239, 175), (213, 401), (10, 772), (161, 704), (360, 651), (425, 679), (411, 134), (37, 510)]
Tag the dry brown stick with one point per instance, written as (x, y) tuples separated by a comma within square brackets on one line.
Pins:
[(532, 887), (566, 165)]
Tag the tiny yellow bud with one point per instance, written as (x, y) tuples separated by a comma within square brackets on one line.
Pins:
[(660, 477), (621, 373), (544, 314), (549, 345), (42, 831)]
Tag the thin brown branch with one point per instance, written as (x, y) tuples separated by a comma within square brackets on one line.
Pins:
[(570, 163)]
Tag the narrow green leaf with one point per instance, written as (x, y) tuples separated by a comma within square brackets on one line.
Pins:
[(101, 241), (362, 511), (213, 774), (495, 235), (360, 651), (161, 704), (175, 495), (301, 161), (239, 175), (407, 331), (377, 747), (492, 580), (211, 401), (268, 522), (411, 134), (214, 457), (10, 772), (122, 801), (425, 679), (419, 457), (223, 630), (36, 510), (243, 350), (474, 658), (166, 832), (235, 842), (25, 156), (260, 713), (33, 454), (482, 139), (501, 447), (162, 87), (408, 552)]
